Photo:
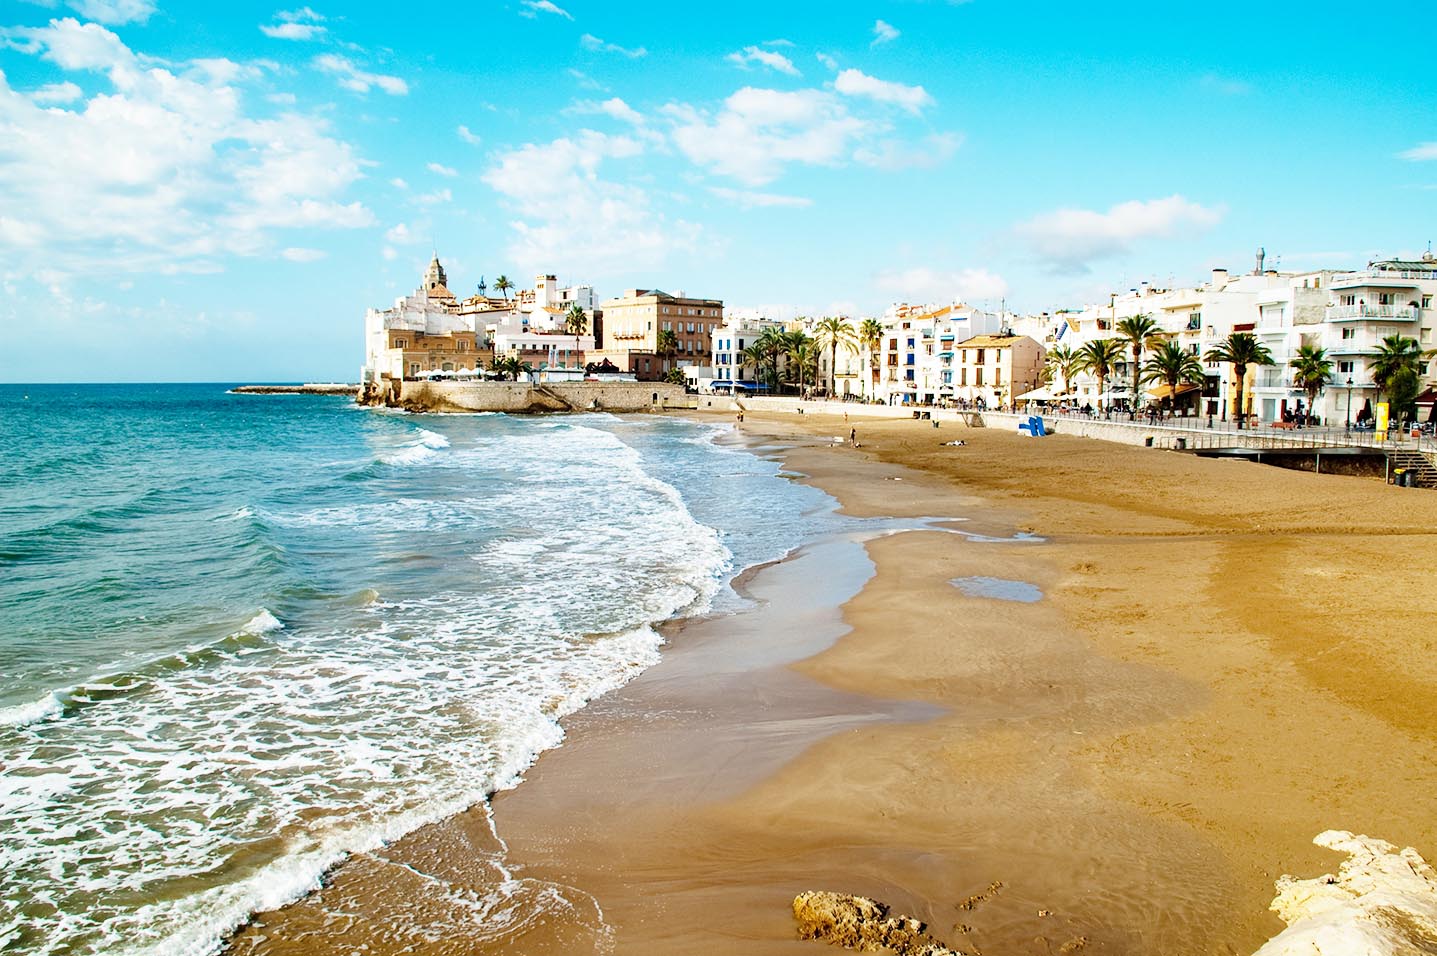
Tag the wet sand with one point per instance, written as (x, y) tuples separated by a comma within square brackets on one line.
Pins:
[(1227, 659)]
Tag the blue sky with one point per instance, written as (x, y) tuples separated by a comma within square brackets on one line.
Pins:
[(216, 192)]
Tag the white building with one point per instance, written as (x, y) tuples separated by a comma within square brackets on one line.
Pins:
[(918, 347), (740, 329)]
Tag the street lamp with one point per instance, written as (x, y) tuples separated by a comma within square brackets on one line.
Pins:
[(1348, 427)]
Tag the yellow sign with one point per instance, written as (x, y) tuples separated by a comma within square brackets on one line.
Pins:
[(1381, 421)]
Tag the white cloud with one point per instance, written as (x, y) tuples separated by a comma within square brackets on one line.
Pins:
[(301, 24), (282, 99), (65, 92), (1067, 240), (895, 154), (398, 183), (1420, 152), (591, 42), (441, 170), (746, 199), (939, 287), (400, 235), (779, 42), (554, 186), (468, 137), (113, 12), (759, 131), (436, 198), (187, 179), (1226, 85), (774, 61), (613, 107), (533, 8), (857, 83), (884, 33), (352, 78), (299, 254), (827, 60), (585, 80)]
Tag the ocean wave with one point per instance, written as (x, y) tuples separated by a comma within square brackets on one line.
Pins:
[(21, 715), (427, 445)]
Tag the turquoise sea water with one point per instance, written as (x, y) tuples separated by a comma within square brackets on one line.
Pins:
[(241, 636)]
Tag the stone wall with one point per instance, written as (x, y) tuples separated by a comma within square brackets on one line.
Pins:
[(526, 397)]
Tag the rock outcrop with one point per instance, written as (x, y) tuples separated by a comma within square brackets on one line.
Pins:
[(1382, 902), (857, 922)]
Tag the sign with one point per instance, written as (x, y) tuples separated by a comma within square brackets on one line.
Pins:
[(1381, 421)]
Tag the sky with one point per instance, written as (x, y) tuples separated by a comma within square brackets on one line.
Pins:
[(216, 192)]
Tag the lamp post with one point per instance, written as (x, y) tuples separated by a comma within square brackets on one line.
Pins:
[(1348, 427)]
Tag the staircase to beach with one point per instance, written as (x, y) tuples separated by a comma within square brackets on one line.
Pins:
[(1419, 463)]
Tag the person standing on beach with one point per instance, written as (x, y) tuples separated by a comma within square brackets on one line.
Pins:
[(853, 437)]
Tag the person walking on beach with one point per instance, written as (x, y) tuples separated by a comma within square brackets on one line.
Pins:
[(853, 437)]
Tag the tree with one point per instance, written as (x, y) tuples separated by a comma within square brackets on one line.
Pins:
[(1311, 368), (835, 331), (668, 343), (802, 355), (1396, 354), (1099, 357), (870, 336), (676, 376), (1173, 365), (503, 285), (774, 347), (756, 354), (1063, 361), (1137, 331), (1240, 349), (511, 366), (576, 323)]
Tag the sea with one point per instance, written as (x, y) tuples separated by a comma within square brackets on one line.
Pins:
[(244, 636)]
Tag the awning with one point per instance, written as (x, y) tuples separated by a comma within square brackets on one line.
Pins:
[(1162, 391), (1042, 394)]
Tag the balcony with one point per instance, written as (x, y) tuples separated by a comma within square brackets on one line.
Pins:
[(1381, 280), (1361, 313)]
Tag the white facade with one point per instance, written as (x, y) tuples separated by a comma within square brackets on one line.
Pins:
[(917, 350), (740, 330), (417, 312)]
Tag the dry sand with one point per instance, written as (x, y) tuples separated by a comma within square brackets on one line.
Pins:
[(1228, 658)]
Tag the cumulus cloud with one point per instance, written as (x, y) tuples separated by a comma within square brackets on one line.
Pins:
[(613, 107), (400, 235), (938, 286), (301, 24), (351, 77), (532, 8), (441, 170), (895, 154), (746, 199), (857, 83), (113, 12), (162, 171), (552, 186), (65, 92), (1420, 152), (750, 55), (1068, 240), (761, 131), (300, 254), (884, 33), (468, 137), (591, 42)]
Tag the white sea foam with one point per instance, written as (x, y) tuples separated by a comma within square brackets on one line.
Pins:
[(425, 446), (20, 715), (238, 514), (340, 738)]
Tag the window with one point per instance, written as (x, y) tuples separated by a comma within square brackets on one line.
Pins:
[(1194, 321), (978, 377), (1426, 302), (963, 377), (997, 377), (893, 344), (413, 368), (1344, 368), (402, 344), (978, 358), (1349, 334), (1347, 300), (1386, 298)]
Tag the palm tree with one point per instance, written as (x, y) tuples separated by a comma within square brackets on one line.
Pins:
[(774, 347), (576, 323), (503, 285), (1311, 368), (802, 355), (1396, 353), (1099, 357), (756, 354), (1065, 362), (668, 343), (1240, 349), (511, 366), (1173, 365), (870, 336), (834, 331), (1137, 331)]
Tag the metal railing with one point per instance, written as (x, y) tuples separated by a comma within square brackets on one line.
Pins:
[(1337, 313)]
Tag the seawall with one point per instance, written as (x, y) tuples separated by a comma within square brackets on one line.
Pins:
[(527, 397)]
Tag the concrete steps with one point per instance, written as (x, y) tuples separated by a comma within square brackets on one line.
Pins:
[(1419, 463)]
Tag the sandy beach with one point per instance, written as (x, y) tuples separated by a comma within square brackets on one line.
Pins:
[(1201, 665)]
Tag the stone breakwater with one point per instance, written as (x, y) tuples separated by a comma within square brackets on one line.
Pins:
[(312, 388), (526, 397)]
